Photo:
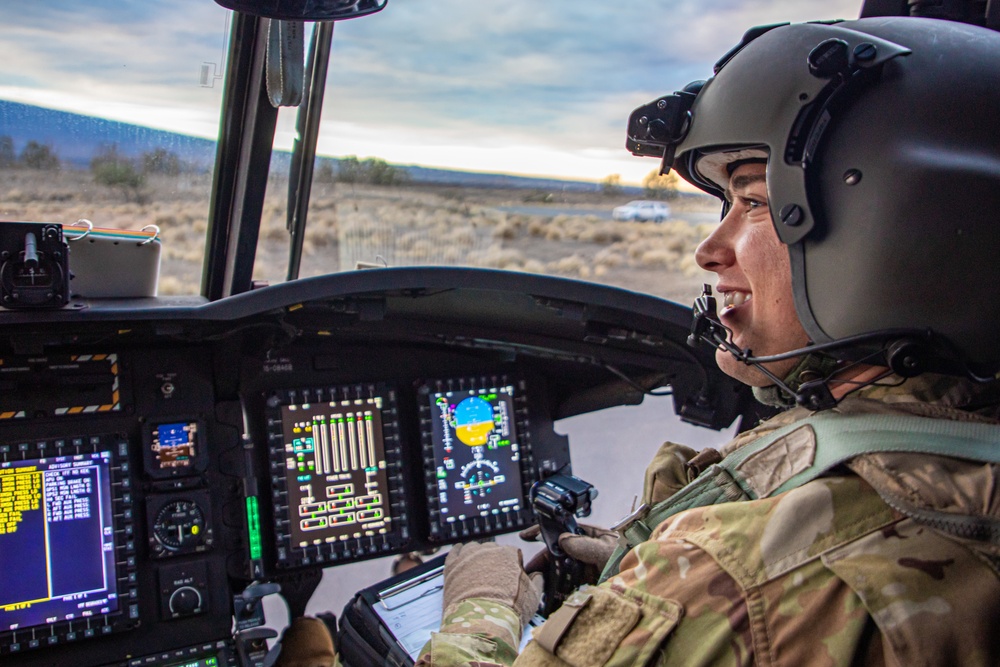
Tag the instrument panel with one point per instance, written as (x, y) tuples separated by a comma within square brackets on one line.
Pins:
[(152, 468)]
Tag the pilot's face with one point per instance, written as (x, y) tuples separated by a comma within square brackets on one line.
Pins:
[(754, 279)]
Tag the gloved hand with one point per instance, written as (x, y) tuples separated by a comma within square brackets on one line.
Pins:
[(667, 473), (306, 643), (593, 549), (493, 572)]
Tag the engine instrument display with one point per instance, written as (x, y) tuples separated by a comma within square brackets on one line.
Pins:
[(62, 542), (476, 433), (336, 455)]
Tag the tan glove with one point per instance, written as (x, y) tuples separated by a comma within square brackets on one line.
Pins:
[(306, 643), (593, 549), (493, 572), (667, 473)]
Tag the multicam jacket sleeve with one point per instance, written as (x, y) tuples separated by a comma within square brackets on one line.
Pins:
[(475, 632)]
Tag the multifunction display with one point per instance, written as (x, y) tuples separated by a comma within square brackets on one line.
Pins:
[(338, 454), (335, 467), (61, 532), (474, 431), (56, 544)]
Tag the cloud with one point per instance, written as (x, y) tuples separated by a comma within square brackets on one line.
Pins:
[(567, 73), (123, 61), (448, 83)]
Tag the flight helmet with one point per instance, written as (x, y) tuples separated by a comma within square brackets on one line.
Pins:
[(882, 139)]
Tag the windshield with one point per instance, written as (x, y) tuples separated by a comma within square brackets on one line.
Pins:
[(108, 113), (487, 134)]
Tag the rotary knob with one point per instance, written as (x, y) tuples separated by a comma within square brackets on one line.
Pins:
[(185, 600)]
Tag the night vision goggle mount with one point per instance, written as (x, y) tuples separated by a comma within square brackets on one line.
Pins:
[(657, 128)]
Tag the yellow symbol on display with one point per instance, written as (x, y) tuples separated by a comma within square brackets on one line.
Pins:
[(473, 421)]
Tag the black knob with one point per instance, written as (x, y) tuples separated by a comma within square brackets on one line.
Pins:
[(865, 52), (185, 600)]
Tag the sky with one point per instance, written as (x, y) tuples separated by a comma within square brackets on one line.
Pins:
[(509, 86)]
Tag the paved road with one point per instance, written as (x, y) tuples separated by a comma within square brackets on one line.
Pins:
[(609, 448)]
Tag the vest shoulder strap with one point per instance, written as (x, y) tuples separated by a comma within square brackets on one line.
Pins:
[(802, 451)]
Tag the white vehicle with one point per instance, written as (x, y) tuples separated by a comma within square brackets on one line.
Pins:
[(643, 211)]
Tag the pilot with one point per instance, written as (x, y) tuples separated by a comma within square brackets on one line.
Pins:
[(859, 165)]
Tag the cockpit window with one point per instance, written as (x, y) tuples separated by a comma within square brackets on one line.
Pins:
[(109, 112), (486, 135), (490, 141)]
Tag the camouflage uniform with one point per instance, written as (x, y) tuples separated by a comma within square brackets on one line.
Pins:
[(843, 570)]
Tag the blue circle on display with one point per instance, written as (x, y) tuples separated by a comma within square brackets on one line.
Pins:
[(473, 421)]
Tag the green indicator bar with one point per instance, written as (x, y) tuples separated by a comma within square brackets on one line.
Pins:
[(253, 528)]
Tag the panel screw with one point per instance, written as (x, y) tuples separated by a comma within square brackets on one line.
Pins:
[(865, 52), (661, 104), (791, 214), (852, 176)]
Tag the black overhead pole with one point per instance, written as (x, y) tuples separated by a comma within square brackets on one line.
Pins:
[(304, 149), (242, 162)]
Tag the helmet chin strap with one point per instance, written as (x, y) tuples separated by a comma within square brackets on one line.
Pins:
[(808, 384)]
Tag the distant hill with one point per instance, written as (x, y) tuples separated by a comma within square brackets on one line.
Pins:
[(76, 139), (475, 179)]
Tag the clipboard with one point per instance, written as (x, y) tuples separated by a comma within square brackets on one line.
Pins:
[(411, 609), (107, 263), (390, 622)]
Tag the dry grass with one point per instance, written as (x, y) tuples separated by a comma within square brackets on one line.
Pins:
[(399, 226)]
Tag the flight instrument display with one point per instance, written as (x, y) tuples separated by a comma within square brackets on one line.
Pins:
[(476, 452)]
